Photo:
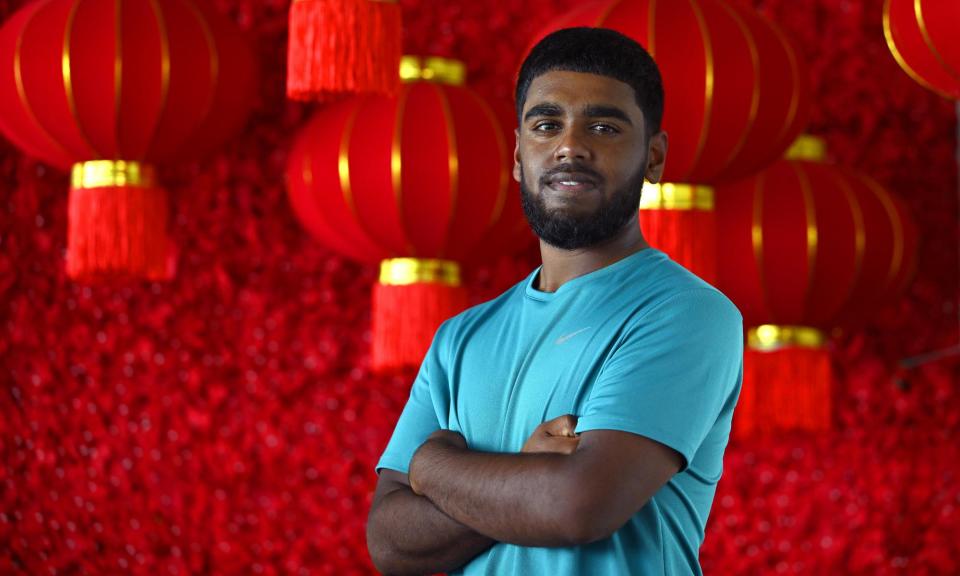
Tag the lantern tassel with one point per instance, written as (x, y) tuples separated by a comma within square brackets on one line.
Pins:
[(687, 236), (785, 389), (679, 219), (405, 319), (414, 296), (117, 220), (343, 47)]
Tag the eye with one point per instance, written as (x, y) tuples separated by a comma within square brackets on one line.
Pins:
[(545, 126), (604, 128)]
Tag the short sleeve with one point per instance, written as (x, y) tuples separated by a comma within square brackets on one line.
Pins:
[(672, 373), (419, 417)]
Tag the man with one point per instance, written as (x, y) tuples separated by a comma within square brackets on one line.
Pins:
[(576, 424)]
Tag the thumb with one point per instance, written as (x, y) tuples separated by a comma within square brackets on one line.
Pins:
[(562, 425)]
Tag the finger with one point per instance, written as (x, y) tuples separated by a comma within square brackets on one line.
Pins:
[(556, 429), (562, 425), (570, 423)]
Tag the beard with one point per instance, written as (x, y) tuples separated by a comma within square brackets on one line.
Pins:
[(570, 231)]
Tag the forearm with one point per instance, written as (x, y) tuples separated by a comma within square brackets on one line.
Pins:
[(523, 499), (407, 534)]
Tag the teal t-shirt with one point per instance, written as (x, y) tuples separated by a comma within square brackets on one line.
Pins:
[(640, 346)]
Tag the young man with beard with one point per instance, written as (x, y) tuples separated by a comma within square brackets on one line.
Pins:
[(576, 424)]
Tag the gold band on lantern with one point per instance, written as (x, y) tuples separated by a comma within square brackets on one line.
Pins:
[(112, 173), (403, 271), (807, 147), (768, 337), (670, 196), (433, 69)]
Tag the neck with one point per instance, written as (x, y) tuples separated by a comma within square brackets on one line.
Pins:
[(560, 266)]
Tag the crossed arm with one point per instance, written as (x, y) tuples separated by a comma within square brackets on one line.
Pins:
[(562, 490)]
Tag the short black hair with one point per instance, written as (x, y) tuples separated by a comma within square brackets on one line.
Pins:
[(598, 51)]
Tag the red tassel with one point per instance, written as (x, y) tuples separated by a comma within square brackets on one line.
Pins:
[(405, 318), (343, 47), (687, 236), (785, 389), (679, 219), (117, 225)]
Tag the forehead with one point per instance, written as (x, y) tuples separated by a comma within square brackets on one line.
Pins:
[(576, 90)]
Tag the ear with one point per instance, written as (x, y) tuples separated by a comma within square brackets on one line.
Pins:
[(656, 156), (516, 155)]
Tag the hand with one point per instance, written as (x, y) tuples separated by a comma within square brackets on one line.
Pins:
[(438, 441), (555, 436)]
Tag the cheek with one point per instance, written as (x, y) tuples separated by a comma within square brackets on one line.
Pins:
[(524, 171), (627, 167), (531, 162)]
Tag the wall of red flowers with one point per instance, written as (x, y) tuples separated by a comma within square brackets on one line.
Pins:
[(228, 422)]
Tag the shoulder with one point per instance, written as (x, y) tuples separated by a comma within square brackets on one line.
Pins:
[(663, 287), (695, 303)]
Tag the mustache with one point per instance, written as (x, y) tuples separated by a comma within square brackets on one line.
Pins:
[(571, 168)]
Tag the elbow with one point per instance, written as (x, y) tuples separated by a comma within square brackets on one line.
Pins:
[(378, 549), (385, 559), (386, 567), (380, 560)]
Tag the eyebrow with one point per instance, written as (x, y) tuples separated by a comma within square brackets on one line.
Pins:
[(607, 112), (548, 110), (551, 110)]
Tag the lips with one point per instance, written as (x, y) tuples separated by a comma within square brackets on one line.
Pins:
[(571, 181)]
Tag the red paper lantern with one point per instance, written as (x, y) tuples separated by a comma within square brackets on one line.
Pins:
[(418, 181), (737, 96), (340, 47), (922, 36), (806, 247), (120, 85), (737, 91)]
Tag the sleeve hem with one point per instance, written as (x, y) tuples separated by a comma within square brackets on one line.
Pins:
[(393, 465)]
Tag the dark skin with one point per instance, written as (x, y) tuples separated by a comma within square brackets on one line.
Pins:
[(562, 489), (593, 120), (408, 534)]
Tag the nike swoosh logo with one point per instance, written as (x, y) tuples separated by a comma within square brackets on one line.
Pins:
[(566, 337)]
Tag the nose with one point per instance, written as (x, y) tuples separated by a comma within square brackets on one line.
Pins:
[(572, 146)]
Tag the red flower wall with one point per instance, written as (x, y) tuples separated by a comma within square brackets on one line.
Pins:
[(227, 422)]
